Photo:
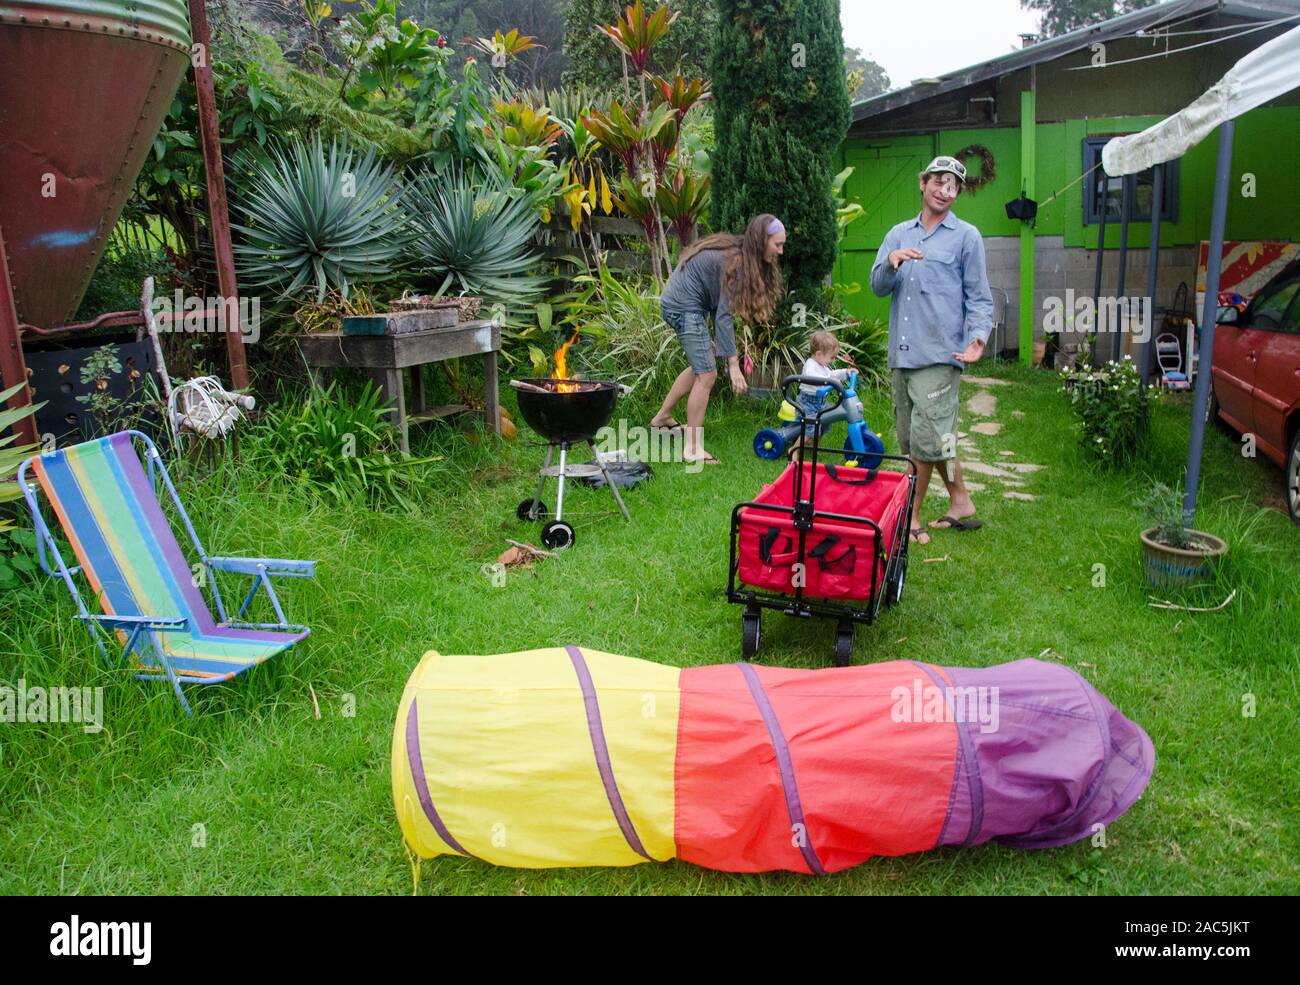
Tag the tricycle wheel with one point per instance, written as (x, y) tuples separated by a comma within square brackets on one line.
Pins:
[(531, 509), (557, 535), (769, 443), (844, 644), (751, 633)]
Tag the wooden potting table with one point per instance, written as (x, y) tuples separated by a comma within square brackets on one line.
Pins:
[(386, 357)]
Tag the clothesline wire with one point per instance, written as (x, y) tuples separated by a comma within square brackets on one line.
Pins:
[(1171, 51), (1157, 33), (1062, 191)]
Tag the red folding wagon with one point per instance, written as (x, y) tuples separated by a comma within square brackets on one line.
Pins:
[(823, 540)]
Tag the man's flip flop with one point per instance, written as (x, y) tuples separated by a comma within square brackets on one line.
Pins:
[(707, 460), (952, 523), (672, 425), (916, 533)]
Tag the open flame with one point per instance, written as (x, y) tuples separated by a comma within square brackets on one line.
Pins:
[(561, 367)]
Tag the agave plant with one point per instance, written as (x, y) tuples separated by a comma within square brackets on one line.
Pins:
[(318, 218), (475, 241)]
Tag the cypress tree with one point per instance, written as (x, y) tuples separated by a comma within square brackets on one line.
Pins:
[(781, 111)]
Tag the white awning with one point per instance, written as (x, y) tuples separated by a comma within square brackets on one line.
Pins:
[(1267, 72)]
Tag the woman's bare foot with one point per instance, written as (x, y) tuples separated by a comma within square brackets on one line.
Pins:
[(703, 456)]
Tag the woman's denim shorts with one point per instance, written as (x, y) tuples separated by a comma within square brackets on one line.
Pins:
[(692, 328)]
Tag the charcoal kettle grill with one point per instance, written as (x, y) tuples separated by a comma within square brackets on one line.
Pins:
[(565, 413)]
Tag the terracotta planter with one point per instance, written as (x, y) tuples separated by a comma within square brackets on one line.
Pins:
[(1176, 567)]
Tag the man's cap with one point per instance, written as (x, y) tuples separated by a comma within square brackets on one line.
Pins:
[(949, 164)]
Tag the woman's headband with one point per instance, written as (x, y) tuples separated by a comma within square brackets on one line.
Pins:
[(775, 227)]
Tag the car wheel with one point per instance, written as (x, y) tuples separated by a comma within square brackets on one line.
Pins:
[(1293, 478), (1212, 415)]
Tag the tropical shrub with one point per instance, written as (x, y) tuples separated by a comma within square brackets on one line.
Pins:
[(1110, 406), (468, 240), (318, 220), (344, 449)]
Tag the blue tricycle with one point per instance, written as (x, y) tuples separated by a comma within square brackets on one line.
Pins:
[(863, 447)]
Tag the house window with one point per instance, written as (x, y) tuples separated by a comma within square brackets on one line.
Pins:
[(1141, 189)]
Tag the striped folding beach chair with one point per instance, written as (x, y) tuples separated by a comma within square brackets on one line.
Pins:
[(107, 505)]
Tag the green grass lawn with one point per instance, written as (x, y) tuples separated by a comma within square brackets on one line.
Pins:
[(289, 803)]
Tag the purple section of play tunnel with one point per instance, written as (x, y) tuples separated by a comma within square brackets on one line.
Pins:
[(1061, 758)]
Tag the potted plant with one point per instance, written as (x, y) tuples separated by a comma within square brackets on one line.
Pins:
[(1173, 554)]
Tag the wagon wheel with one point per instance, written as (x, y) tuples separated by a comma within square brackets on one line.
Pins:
[(751, 632), (844, 644)]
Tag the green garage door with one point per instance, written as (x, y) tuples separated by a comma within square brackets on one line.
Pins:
[(884, 182)]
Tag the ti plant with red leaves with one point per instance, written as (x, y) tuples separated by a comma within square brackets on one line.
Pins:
[(683, 199), (645, 136), (635, 33), (681, 94)]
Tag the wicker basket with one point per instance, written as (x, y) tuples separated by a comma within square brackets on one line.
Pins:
[(469, 307)]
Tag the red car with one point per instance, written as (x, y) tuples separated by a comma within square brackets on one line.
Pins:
[(1256, 379)]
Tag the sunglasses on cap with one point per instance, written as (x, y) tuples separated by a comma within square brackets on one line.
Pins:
[(949, 164)]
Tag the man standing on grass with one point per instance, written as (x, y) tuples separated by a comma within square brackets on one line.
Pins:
[(940, 317)]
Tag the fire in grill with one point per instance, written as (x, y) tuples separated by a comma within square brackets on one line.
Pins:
[(566, 411)]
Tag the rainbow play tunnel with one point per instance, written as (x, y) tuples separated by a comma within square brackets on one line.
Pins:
[(568, 756)]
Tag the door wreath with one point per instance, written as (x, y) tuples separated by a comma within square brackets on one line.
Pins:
[(988, 168)]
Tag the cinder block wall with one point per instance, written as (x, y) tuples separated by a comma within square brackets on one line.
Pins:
[(1058, 268)]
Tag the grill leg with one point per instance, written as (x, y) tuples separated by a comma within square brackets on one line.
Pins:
[(608, 480), (559, 496), (541, 478)]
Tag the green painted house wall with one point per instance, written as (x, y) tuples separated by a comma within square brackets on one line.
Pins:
[(884, 181)]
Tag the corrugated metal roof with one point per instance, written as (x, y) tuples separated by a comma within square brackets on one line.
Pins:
[(1044, 51)]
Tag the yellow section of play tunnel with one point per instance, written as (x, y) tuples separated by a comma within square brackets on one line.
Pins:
[(511, 772)]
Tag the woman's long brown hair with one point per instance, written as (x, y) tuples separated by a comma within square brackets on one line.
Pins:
[(752, 284)]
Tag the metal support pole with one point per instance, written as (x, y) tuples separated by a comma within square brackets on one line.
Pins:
[(1153, 264), (1028, 150), (1218, 219), (13, 369), (1101, 256), (1117, 348), (218, 214)]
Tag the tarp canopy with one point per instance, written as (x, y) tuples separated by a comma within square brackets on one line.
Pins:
[(1267, 72)]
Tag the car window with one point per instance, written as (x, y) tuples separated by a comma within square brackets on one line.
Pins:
[(1269, 310)]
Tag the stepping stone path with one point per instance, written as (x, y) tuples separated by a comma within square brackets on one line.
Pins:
[(1019, 495), (1023, 466), (992, 470), (1006, 454), (982, 404), (985, 381), (939, 489), (987, 427)]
